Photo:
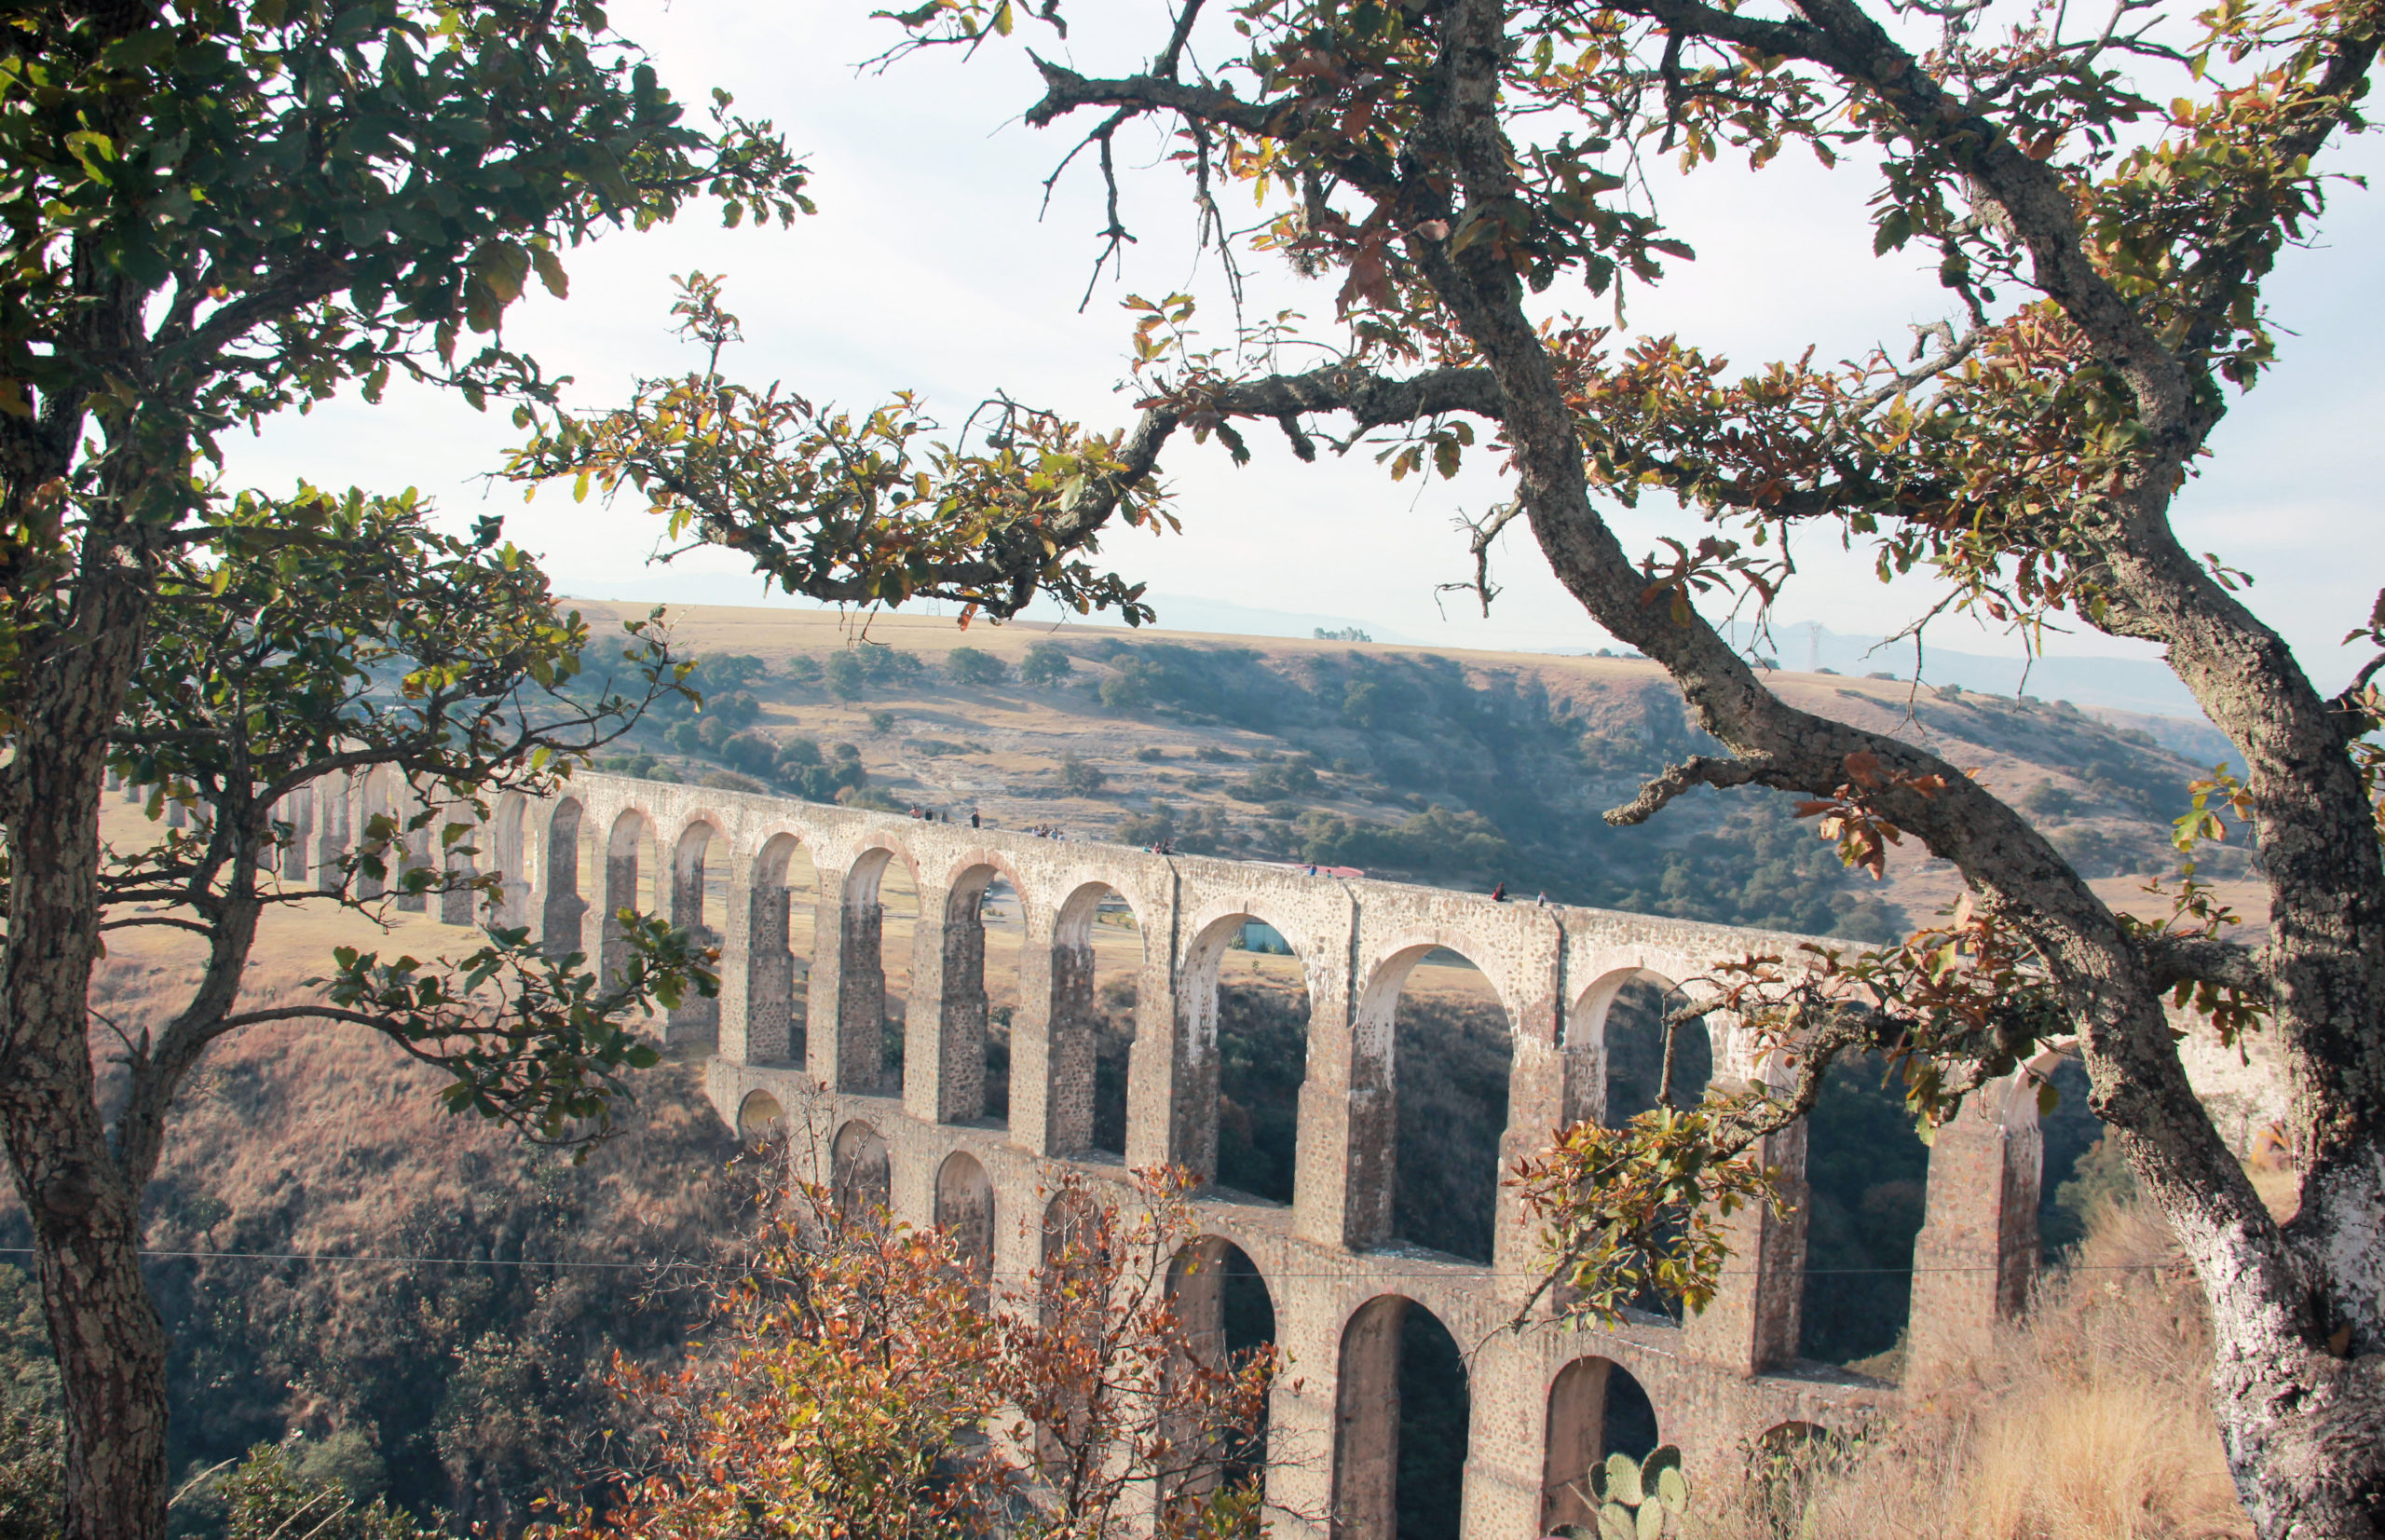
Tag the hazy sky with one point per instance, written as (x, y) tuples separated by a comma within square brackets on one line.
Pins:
[(928, 268)]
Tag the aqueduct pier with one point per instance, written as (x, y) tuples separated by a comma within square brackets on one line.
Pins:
[(1338, 1283)]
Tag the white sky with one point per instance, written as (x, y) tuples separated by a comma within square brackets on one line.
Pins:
[(927, 269)]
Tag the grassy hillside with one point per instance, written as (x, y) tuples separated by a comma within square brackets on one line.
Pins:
[(1458, 768)]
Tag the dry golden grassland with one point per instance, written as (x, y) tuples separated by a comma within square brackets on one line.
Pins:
[(2088, 1419)]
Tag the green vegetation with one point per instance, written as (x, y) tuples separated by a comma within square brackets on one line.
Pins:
[(1046, 663), (974, 667)]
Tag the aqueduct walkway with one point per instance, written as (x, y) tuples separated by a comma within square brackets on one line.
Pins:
[(1337, 1285)]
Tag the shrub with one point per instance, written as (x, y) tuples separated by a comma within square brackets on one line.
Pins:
[(2047, 800), (712, 730), (803, 669), (751, 752), (970, 665), (889, 665), (1147, 828), (1150, 754), (845, 676), (721, 780), (881, 721), (1125, 691), (800, 751), (1080, 777), (683, 737), (32, 1475), (1045, 664)]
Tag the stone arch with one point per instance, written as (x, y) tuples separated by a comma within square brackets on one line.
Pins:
[(869, 1054), (1077, 1022), (1596, 1408), (860, 1175), (964, 1211), (1866, 1175), (564, 910), (1387, 1345), (760, 1116), (774, 1026), (956, 1059), (624, 842), (1447, 1200), (1260, 1161), (1616, 1025), (1228, 1314), (694, 875)]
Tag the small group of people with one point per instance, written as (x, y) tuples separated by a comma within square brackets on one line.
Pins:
[(1045, 831), (930, 816), (1499, 895), (1160, 847)]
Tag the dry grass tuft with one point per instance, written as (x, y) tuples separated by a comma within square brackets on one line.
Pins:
[(2089, 1419)]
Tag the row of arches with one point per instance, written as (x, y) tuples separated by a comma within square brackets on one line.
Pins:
[(1403, 1138), (1403, 1417)]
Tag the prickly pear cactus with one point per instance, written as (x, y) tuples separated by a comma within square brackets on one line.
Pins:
[(1637, 1499)]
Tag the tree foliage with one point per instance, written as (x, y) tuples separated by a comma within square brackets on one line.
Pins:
[(861, 1383)]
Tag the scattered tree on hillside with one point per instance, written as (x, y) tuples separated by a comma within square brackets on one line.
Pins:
[(1045, 664), (216, 211), (970, 665), (1450, 161)]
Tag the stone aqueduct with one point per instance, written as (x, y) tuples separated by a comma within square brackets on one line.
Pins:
[(1337, 1282)]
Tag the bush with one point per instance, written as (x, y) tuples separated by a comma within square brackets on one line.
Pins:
[(32, 1475), (683, 736), (736, 708), (751, 752), (1435, 842), (2048, 800), (1147, 828), (889, 665), (803, 771), (881, 721), (1080, 777), (721, 780), (1276, 782), (970, 665), (1150, 754), (1125, 691), (845, 676), (803, 669), (711, 731), (1045, 664), (323, 1490)]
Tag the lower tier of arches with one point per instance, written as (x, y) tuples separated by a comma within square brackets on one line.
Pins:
[(1371, 1340)]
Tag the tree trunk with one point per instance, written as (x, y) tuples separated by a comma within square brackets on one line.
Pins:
[(85, 1207)]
